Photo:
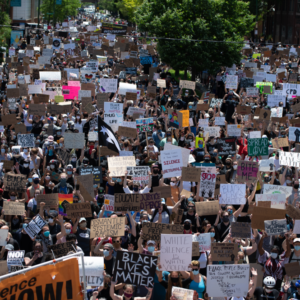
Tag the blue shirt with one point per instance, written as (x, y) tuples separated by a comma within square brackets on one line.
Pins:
[(156, 138)]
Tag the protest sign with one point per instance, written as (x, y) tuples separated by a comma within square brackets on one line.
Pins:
[(124, 202), (294, 134), (144, 125), (280, 142), (215, 102), (74, 140), (127, 132), (61, 249), (252, 92), (108, 227), (234, 130), (226, 146), (26, 140), (96, 171), (277, 200), (113, 115), (186, 84), (227, 280), (277, 189), (243, 109), (3, 237), (35, 226), (101, 98), (204, 240), (266, 165), (260, 215), (274, 100), (191, 174), (15, 182), (275, 227), (255, 134), (178, 217), (118, 165), (86, 185), (289, 159), (257, 147), (165, 191), (182, 294), (207, 185), (247, 171), (15, 258), (108, 85), (292, 212), (12, 208), (78, 210), (171, 163), (175, 251), (231, 82), (212, 131), (153, 231), (3, 267), (238, 190), (207, 208), (241, 230), (292, 269), (184, 152), (135, 268), (221, 178), (139, 174), (93, 269), (224, 251), (37, 109), (109, 202)]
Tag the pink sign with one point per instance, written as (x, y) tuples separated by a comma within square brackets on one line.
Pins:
[(70, 92), (74, 83)]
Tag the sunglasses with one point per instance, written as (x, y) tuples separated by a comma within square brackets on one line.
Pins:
[(116, 241)]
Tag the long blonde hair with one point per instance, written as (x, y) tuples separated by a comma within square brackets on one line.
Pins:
[(169, 290)]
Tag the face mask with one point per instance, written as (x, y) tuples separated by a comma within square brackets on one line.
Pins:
[(241, 261), (46, 233), (297, 248), (68, 231), (2, 150), (78, 117), (136, 189), (24, 225), (13, 197), (225, 219), (127, 295), (273, 255), (235, 167), (52, 166), (47, 177), (155, 171), (63, 181), (212, 234), (190, 208), (174, 280), (288, 181), (65, 119), (268, 290), (29, 179), (25, 150), (82, 225), (15, 221), (50, 152), (50, 220), (187, 226), (230, 211), (215, 154), (69, 172), (58, 133), (151, 248), (206, 158), (195, 272), (172, 183), (36, 181), (296, 186), (105, 253), (74, 159)]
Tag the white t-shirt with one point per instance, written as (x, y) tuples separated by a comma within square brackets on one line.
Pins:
[(32, 202), (78, 126), (146, 190), (188, 186), (164, 215)]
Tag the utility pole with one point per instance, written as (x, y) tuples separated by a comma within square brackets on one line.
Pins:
[(54, 2), (39, 16)]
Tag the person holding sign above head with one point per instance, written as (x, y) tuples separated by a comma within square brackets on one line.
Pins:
[(136, 189), (128, 293)]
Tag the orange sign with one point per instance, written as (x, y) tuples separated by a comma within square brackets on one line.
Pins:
[(53, 281)]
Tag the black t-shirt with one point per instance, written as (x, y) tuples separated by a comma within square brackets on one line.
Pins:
[(220, 229), (260, 294), (109, 265), (155, 180), (37, 127), (38, 260), (211, 147)]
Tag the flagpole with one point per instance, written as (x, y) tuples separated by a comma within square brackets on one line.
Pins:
[(147, 144)]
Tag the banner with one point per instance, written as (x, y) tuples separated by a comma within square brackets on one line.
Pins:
[(64, 199), (54, 281)]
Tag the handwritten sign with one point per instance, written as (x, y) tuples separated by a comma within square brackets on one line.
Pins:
[(108, 227), (275, 227), (207, 185), (247, 171), (241, 230), (204, 241), (277, 200), (228, 190), (118, 165), (153, 231), (257, 147), (224, 251), (207, 208)]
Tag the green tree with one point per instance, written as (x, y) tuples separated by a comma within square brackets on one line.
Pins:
[(5, 28), (67, 8), (128, 7), (216, 20), (108, 5)]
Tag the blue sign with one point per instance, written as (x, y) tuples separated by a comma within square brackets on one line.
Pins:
[(15, 3), (146, 60), (195, 164), (15, 37), (58, 2)]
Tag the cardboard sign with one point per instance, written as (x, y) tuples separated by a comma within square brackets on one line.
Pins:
[(277, 200), (178, 218), (127, 131), (35, 226), (227, 190), (50, 200), (176, 251), (131, 96), (207, 208), (207, 185), (86, 183), (260, 215), (292, 269), (15, 182), (7, 164), (153, 231), (293, 212), (78, 210), (275, 227), (191, 174), (247, 171), (105, 151), (108, 227), (220, 277), (12, 208), (74, 140), (244, 109), (37, 109), (118, 165), (224, 251), (66, 275), (221, 179), (280, 142), (21, 128), (101, 98), (9, 119), (129, 264), (62, 249), (164, 191), (241, 230), (124, 202), (257, 147), (266, 204)]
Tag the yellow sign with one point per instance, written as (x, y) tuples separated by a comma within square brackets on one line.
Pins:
[(199, 142), (185, 118), (60, 281), (59, 99)]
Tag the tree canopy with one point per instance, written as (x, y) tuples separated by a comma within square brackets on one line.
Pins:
[(214, 20), (6, 29)]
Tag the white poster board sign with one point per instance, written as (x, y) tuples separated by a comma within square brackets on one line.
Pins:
[(277, 200), (232, 194), (171, 161), (94, 267)]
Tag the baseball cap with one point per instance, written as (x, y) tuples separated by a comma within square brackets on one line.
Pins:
[(35, 176), (82, 219), (9, 247), (108, 245), (150, 242), (296, 240), (163, 200), (50, 138)]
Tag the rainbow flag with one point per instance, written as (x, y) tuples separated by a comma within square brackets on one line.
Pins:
[(62, 199)]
